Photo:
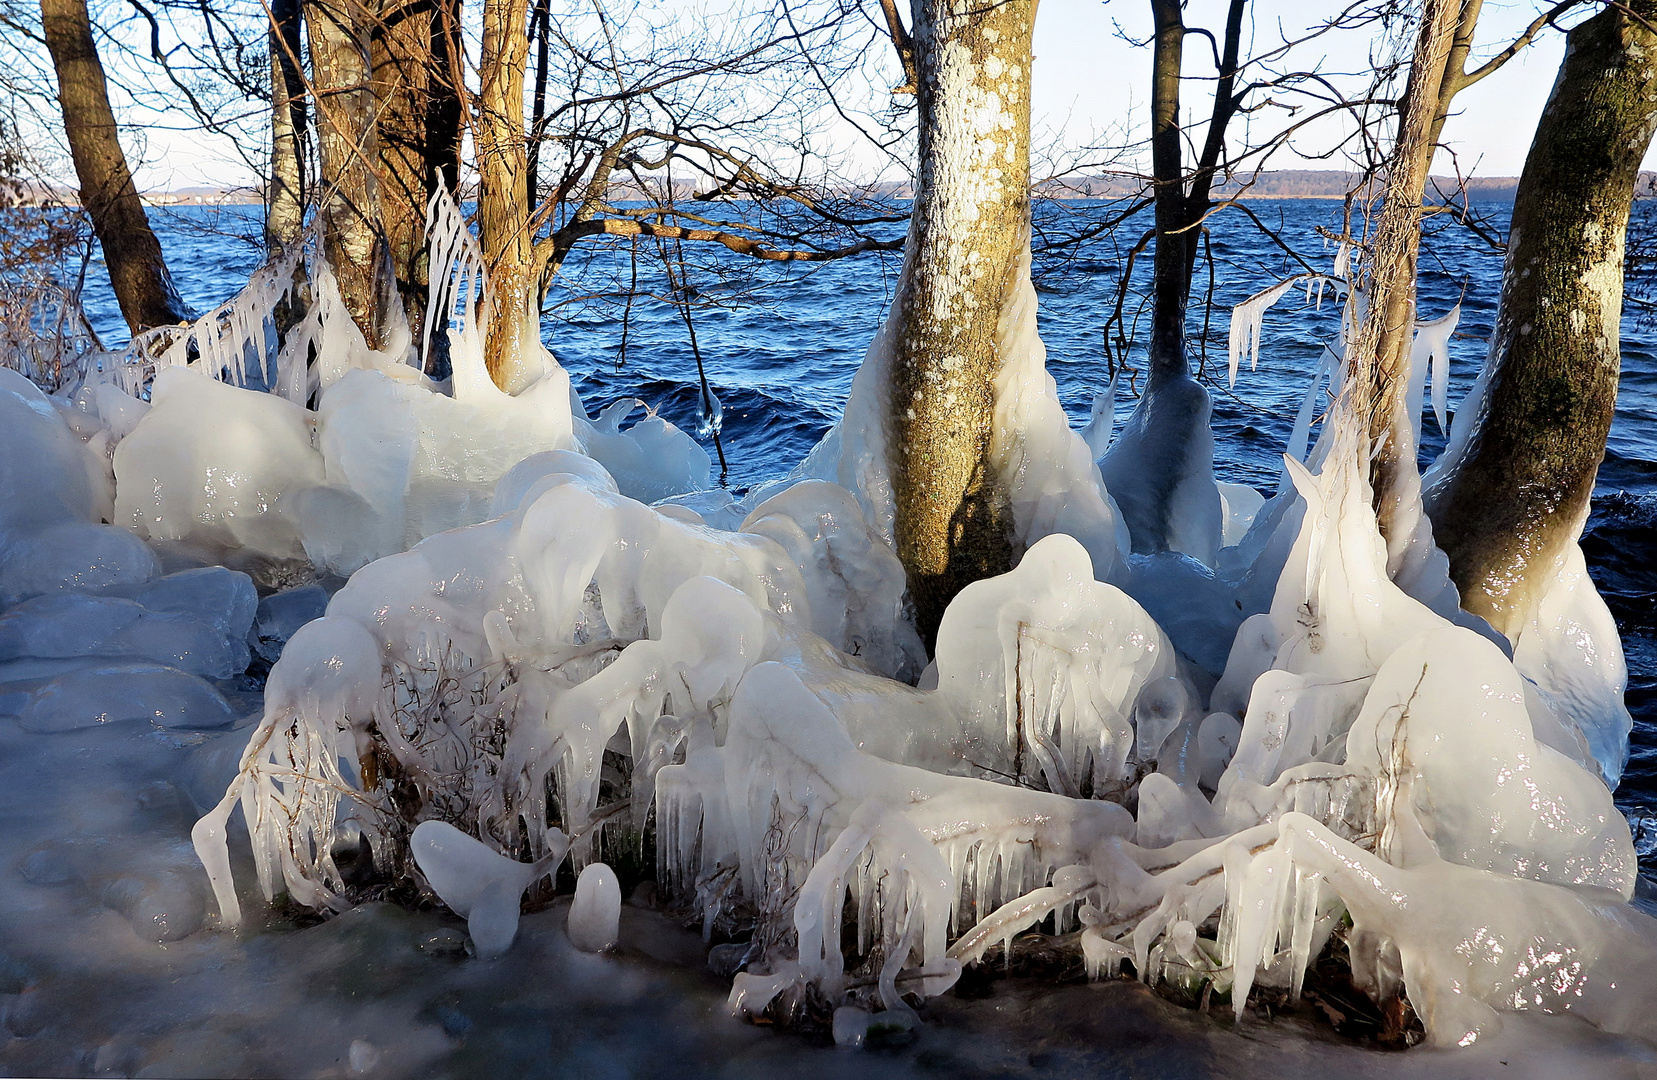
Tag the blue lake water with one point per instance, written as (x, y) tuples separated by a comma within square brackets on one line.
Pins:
[(780, 343)]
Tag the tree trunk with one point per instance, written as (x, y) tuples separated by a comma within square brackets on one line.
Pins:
[(1160, 467), (1169, 283), (137, 271), (1519, 493), (967, 229), (347, 145), (285, 197), (503, 188), (1377, 356), (418, 132)]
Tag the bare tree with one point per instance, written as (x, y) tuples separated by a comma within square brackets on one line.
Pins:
[(285, 193), (969, 224), (1519, 491), (132, 253)]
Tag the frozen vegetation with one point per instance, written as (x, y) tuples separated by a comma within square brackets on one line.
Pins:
[(513, 641)]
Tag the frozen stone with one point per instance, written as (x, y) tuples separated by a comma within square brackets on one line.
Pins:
[(280, 615), (153, 693), (72, 557), (595, 914)]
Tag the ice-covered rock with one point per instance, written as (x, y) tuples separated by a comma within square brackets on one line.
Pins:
[(215, 462), (150, 693), (75, 624), (595, 914), (72, 557), (280, 615)]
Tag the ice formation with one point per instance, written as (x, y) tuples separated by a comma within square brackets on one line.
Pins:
[(1047, 469), (530, 664), (595, 916)]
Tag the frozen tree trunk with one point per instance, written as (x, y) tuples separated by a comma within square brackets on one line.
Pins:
[(1165, 452), (968, 226), (348, 152), (418, 132), (1520, 491), (285, 197), (143, 288), (503, 186), (1378, 354)]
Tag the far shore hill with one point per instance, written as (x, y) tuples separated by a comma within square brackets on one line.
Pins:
[(1280, 184)]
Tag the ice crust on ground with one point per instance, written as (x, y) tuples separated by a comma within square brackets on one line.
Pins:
[(1201, 798)]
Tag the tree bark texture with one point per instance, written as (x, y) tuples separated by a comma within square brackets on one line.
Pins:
[(503, 185), (349, 157), (1379, 353), (968, 227), (143, 288), (1520, 492), (285, 197), (418, 132)]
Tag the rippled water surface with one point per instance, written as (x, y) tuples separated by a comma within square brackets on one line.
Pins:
[(780, 344)]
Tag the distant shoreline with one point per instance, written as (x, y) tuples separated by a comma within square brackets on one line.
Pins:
[(1280, 185)]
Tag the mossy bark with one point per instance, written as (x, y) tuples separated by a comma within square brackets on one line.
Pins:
[(1521, 490), (967, 230), (143, 288)]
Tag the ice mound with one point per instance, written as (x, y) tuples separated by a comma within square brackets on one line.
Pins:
[(47, 475), (216, 463), (424, 462), (78, 625), (1048, 662), (855, 582), (1445, 721), (651, 460)]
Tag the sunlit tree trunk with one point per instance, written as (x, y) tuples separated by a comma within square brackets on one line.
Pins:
[(418, 133), (503, 185), (1521, 490), (285, 197), (143, 288), (349, 157), (1378, 356), (967, 229)]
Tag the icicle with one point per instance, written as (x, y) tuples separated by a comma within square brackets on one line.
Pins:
[(1246, 319), (1432, 346)]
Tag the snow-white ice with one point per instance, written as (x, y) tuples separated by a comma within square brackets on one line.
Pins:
[(1197, 754)]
